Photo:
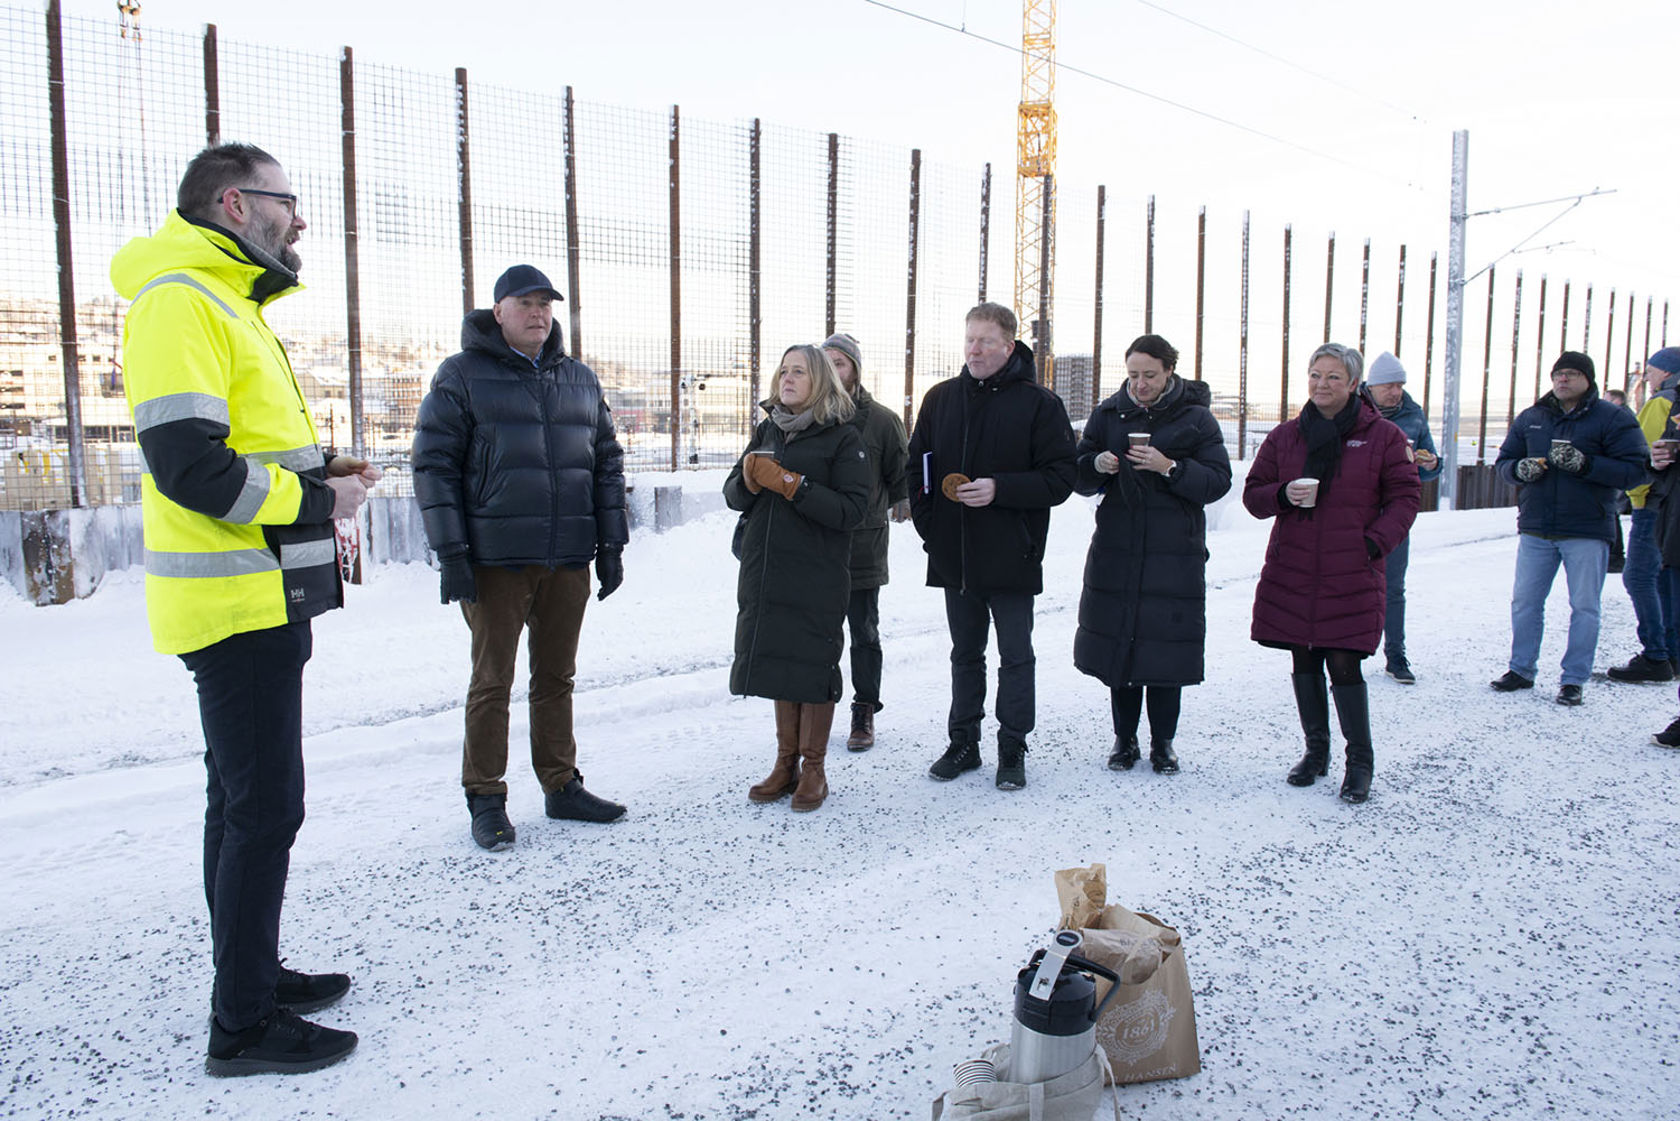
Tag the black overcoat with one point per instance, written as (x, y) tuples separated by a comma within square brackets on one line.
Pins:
[(795, 574), (1143, 613)]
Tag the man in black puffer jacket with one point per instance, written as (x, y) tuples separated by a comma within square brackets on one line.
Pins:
[(1011, 445), (520, 479)]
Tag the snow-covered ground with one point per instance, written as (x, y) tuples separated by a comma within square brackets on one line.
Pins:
[(1496, 934)]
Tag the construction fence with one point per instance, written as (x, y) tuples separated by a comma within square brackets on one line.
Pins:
[(691, 254)]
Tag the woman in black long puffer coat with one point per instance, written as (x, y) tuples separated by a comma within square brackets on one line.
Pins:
[(1156, 454), (803, 483)]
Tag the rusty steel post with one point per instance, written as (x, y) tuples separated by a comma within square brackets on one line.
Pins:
[(463, 187), (1242, 353), (910, 290), (1586, 323), (755, 245), (1563, 330), (574, 251), (832, 273), (673, 159), (1364, 296), (69, 347), (1329, 282), (1609, 334), (1201, 284), (352, 249), (1429, 334), (1097, 316), (1283, 398), (985, 227), (1540, 340), (212, 89), (1627, 352), (1487, 375), (1400, 302), (1149, 270), (1516, 334)]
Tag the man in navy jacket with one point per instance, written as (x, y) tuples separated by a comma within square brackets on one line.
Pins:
[(1568, 454)]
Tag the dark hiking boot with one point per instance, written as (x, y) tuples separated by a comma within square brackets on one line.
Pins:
[(1642, 670), (490, 825), (309, 992), (1511, 681), (1162, 758), (1353, 712), (1669, 736), (961, 756), (282, 1043), (863, 727), (1125, 754), (1401, 670), (573, 803), (1312, 703), (1012, 765), (1569, 695)]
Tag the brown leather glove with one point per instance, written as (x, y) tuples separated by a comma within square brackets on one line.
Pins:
[(770, 475), (747, 479)]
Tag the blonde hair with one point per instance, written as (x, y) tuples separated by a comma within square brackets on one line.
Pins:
[(829, 399)]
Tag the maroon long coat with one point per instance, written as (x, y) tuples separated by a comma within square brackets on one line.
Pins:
[(1320, 586)]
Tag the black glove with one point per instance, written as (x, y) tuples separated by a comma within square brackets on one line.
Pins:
[(1568, 457), (609, 569), (457, 582), (1372, 549)]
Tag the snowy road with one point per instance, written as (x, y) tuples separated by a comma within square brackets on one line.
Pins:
[(1497, 934)]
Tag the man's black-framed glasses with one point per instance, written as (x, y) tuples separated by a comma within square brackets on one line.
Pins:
[(291, 201)]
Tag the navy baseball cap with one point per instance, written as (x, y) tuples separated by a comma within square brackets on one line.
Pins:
[(523, 279)]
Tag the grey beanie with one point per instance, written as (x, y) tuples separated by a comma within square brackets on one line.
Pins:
[(846, 345), (1386, 370)]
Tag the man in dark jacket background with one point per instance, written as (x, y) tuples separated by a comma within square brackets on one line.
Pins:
[(1568, 454), (884, 442), (1010, 445), (520, 479)]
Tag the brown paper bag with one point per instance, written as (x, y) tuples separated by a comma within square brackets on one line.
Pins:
[(1149, 1029)]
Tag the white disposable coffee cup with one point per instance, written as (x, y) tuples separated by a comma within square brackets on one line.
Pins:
[(1312, 492), (1137, 439), (975, 1072)]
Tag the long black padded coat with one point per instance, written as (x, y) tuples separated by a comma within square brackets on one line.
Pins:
[(1143, 613), (515, 460), (884, 441), (795, 563)]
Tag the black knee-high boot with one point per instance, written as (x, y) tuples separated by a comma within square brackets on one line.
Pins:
[(1353, 710), (1312, 701)]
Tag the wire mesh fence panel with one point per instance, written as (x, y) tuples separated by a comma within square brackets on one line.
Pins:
[(1074, 292), (793, 253), (949, 257), (873, 238)]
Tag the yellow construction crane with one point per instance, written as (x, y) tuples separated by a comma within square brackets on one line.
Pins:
[(1035, 181)]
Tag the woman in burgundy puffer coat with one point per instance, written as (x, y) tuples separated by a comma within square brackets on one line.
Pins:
[(1322, 591)]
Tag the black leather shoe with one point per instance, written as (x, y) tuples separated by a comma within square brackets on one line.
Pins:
[(1161, 757), (1642, 670), (1125, 755), (959, 758), (283, 1043), (573, 803), (1511, 682), (309, 992), (1569, 695), (490, 825)]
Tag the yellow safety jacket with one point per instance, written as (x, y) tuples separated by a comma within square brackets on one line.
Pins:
[(235, 507), (1653, 419)]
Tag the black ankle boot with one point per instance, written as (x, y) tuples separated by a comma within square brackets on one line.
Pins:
[(1353, 710), (1312, 702), (1161, 757), (1125, 755)]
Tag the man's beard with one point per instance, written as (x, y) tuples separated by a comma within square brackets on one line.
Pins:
[(273, 240)]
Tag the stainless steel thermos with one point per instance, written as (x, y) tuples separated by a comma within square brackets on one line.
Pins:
[(1056, 1011)]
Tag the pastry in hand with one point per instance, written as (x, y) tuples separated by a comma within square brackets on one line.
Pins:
[(949, 484)]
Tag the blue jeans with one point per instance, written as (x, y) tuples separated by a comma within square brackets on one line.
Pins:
[(1584, 560), (1651, 588), (1394, 621)]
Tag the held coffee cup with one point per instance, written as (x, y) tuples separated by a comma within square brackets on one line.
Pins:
[(1556, 444), (1312, 493), (1137, 439)]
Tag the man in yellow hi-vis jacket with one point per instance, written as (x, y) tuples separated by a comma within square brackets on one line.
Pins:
[(237, 501)]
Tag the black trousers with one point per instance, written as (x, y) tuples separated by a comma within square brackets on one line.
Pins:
[(250, 701), (970, 617), (863, 619)]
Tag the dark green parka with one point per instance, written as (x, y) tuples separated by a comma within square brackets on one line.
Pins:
[(886, 444), (795, 571)]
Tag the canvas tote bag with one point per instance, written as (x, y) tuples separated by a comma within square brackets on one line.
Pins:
[(1073, 1096)]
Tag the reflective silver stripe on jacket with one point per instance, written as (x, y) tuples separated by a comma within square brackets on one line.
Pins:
[(308, 554), (306, 458), (180, 406), (240, 562), (183, 278), (251, 495)]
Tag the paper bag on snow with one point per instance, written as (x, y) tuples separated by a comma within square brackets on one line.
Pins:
[(1149, 1029)]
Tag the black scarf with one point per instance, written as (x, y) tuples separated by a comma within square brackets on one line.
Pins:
[(1324, 436)]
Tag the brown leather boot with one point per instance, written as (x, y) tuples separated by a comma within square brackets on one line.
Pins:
[(814, 723), (784, 777), (863, 727)]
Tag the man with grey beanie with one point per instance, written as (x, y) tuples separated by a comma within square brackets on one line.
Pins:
[(886, 444), (1385, 387)]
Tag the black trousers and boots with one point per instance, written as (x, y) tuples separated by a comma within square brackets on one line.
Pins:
[(1126, 705), (863, 620), (970, 618), (1353, 712)]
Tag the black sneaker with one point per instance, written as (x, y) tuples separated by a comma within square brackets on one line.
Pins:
[(573, 803), (490, 825), (1401, 670), (1012, 766), (1669, 736), (1511, 682), (960, 757), (1569, 695), (309, 992), (1642, 669), (283, 1043)]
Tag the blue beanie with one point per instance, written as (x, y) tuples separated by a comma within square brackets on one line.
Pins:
[(1667, 360)]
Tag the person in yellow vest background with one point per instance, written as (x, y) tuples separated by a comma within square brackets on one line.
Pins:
[(237, 502)]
